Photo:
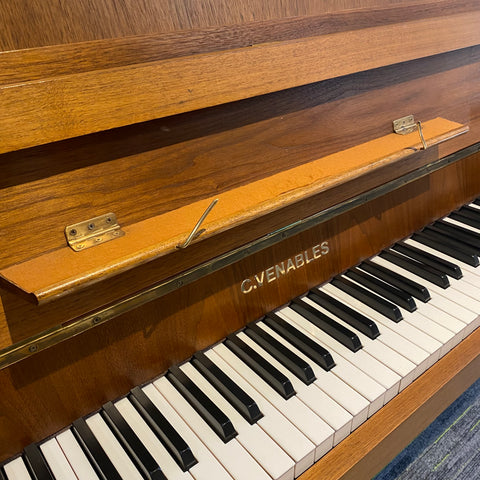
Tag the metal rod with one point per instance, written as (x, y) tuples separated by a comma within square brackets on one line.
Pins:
[(195, 233), (50, 337)]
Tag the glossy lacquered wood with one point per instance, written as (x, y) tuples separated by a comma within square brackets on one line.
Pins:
[(57, 385), (87, 102), (62, 24), (63, 271), (147, 170)]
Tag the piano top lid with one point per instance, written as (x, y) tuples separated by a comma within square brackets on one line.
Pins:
[(62, 271)]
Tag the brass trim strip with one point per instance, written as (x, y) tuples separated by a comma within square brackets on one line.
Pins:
[(52, 336)]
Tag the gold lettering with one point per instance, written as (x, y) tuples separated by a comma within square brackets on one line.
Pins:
[(290, 265), (325, 248), (307, 259), (299, 261), (316, 251), (260, 279), (280, 269), (246, 286), (270, 274)]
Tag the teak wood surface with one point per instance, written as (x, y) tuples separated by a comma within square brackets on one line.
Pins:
[(56, 386), (146, 170), (90, 101), (63, 271), (265, 87)]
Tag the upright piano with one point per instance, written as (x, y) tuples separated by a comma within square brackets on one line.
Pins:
[(220, 218)]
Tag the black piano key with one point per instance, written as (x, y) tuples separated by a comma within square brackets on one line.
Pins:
[(286, 357), (438, 243), (464, 219), (240, 400), (2, 475), (451, 269), (357, 320), (476, 201), (320, 355), (94, 451), (36, 463), (389, 309), (136, 450), (337, 331), (455, 241), (214, 417), (420, 292), (390, 292), (420, 269), (166, 433), (456, 231), (470, 212), (276, 379)]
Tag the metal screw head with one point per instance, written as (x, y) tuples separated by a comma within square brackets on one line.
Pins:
[(91, 226), (73, 232), (108, 219), (97, 319), (32, 348)]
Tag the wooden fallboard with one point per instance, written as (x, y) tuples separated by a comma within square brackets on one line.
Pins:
[(63, 271), (141, 344)]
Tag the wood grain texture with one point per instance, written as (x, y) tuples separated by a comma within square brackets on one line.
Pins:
[(149, 169), (58, 22), (63, 271), (462, 179), (27, 64), (137, 346), (87, 102)]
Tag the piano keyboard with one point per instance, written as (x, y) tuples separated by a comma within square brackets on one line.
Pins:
[(272, 399)]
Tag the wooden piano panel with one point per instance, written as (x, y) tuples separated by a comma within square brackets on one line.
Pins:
[(57, 385), (143, 170), (63, 23)]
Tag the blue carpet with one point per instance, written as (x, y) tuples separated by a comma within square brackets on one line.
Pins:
[(449, 449)]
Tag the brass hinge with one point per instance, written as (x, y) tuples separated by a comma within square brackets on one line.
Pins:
[(406, 125), (94, 231)]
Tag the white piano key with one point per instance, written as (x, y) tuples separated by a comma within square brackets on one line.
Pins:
[(395, 340), (297, 412), (458, 293), (429, 327), (382, 374), (418, 337), (234, 458), (470, 273), (460, 304), (474, 205), (349, 372), (168, 465), (277, 426), (16, 470), (208, 467), (115, 452), (265, 451), (328, 410), (389, 357), (76, 457), (56, 460), (471, 276), (329, 383), (461, 224), (432, 312)]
